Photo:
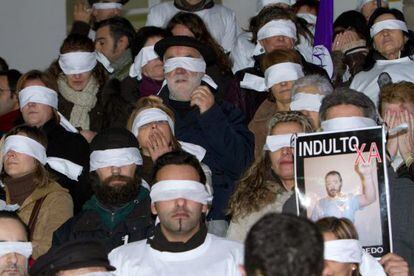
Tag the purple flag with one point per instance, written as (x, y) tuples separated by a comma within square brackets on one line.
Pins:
[(323, 36)]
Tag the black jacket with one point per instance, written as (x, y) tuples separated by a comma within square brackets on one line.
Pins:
[(90, 223), (73, 147)]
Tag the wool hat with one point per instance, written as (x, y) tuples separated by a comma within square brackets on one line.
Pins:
[(113, 138)]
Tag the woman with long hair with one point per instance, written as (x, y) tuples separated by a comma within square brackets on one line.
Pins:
[(268, 182), (43, 204)]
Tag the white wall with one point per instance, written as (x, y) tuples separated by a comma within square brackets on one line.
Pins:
[(31, 32)]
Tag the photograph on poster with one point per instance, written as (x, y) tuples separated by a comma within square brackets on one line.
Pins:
[(343, 175)]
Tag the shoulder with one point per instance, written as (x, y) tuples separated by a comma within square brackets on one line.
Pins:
[(226, 245), (218, 8), (133, 250)]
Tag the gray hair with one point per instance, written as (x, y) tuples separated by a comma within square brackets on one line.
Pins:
[(349, 96), (322, 83)]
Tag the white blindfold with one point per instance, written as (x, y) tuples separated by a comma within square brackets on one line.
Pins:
[(107, 6), (390, 24), (306, 101), (175, 189), (148, 116), (144, 56), (114, 157), (286, 71), (77, 62), (345, 123), (38, 94), (277, 142), (22, 248), (275, 28)]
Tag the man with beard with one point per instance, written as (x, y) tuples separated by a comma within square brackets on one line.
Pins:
[(202, 118), (15, 248), (339, 205), (119, 211), (180, 245)]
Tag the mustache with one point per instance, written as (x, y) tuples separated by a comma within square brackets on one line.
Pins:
[(112, 178)]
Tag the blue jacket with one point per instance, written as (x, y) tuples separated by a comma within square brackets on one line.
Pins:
[(221, 130)]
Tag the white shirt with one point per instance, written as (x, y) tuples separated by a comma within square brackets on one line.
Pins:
[(216, 256), (343, 207), (220, 21), (401, 69), (242, 53)]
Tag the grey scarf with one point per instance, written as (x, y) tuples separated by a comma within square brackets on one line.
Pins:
[(185, 6)]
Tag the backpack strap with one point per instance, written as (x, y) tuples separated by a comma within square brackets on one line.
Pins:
[(33, 216)]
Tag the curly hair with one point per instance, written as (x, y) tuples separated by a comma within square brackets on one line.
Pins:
[(196, 25), (253, 191)]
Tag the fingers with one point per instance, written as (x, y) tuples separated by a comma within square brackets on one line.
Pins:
[(203, 98), (394, 265)]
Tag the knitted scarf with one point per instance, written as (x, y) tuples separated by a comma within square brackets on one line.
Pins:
[(83, 101), (185, 6)]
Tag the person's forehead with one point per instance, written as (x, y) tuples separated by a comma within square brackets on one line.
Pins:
[(103, 32), (178, 172), (181, 51), (344, 110), (12, 230)]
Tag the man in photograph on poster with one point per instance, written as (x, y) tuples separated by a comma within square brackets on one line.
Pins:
[(340, 205)]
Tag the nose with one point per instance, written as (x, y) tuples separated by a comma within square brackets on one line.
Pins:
[(154, 125), (12, 258), (77, 76), (10, 153), (31, 104), (180, 70), (180, 201), (115, 170), (286, 151)]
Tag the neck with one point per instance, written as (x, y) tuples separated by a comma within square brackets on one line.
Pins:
[(288, 184), (282, 106), (393, 55), (178, 236)]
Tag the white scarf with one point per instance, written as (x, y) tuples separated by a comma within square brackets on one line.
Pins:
[(83, 101)]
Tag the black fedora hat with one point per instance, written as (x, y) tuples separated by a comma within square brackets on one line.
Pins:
[(72, 255), (162, 46)]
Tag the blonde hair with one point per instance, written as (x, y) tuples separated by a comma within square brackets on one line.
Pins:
[(253, 191)]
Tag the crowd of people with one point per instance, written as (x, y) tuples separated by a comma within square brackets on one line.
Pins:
[(162, 150)]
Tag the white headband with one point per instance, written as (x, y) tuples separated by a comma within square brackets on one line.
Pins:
[(114, 157), (38, 94), (174, 189), (273, 28), (198, 151), (144, 56), (107, 6), (306, 101), (345, 123), (350, 251), (77, 62), (286, 71), (187, 63), (263, 3), (148, 116), (390, 24), (28, 146), (22, 248), (276, 142)]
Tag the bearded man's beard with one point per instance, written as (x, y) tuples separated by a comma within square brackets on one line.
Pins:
[(118, 194)]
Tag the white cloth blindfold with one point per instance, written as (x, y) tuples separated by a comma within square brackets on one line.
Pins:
[(38, 94), (114, 157), (276, 142), (310, 18), (306, 101), (350, 251), (361, 3), (253, 82), (274, 28), (28, 146), (187, 63), (144, 56), (8, 207), (107, 6), (198, 151), (174, 189), (148, 116), (390, 24), (77, 62), (22, 248), (104, 61), (286, 71), (345, 123)]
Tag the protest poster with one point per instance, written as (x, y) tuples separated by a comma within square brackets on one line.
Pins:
[(344, 174)]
